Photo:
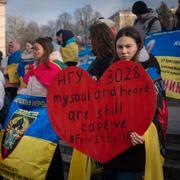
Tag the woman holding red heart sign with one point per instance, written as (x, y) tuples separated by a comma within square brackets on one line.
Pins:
[(133, 163)]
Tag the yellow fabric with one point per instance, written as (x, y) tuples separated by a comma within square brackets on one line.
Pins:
[(70, 52), (22, 83), (30, 159), (154, 160), (12, 73), (153, 166), (96, 169), (80, 168)]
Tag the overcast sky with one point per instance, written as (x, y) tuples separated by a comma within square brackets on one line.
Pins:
[(43, 11)]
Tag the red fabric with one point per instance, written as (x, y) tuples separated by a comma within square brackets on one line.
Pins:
[(43, 74), (163, 117)]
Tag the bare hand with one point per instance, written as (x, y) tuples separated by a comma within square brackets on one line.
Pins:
[(136, 138)]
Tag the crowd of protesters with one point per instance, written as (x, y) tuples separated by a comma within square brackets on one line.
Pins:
[(31, 71)]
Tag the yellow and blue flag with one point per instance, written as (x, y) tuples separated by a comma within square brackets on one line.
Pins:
[(82, 167), (12, 64), (27, 139)]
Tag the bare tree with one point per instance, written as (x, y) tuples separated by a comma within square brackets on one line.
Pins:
[(32, 31), (15, 28), (64, 21), (84, 17), (96, 15), (49, 29)]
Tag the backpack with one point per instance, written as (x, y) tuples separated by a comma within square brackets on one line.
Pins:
[(151, 22)]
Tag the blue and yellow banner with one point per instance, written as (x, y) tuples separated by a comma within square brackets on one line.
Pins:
[(27, 139), (166, 47)]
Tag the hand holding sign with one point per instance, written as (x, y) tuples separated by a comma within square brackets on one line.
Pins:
[(97, 118)]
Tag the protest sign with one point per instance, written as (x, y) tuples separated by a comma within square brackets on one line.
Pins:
[(97, 118)]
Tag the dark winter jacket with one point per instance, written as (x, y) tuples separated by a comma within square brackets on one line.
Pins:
[(133, 159), (98, 66), (147, 24)]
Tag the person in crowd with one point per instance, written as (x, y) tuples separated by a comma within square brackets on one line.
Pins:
[(40, 73), (178, 16), (11, 75), (85, 55), (27, 58), (101, 40), (2, 94), (147, 20), (111, 24), (55, 55), (1, 57), (102, 43), (38, 79), (4, 99), (2, 91), (2, 83), (28, 52), (69, 47), (131, 163)]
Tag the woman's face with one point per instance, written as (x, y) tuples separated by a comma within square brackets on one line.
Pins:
[(28, 46), (38, 51), (126, 48), (59, 39), (10, 48)]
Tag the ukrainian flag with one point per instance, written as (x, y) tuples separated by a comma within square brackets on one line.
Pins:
[(81, 165), (12, 65), (27, 139)]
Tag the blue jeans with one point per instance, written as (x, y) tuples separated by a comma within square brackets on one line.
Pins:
[(118, 175)]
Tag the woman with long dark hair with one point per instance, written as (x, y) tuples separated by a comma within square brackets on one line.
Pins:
[(102, 44)]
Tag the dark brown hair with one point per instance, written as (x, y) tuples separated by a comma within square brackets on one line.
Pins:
[(48, 48), (102, 40), (132, 33)]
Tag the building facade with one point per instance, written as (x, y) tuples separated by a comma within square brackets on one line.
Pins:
[(2, 26), (123, 18)]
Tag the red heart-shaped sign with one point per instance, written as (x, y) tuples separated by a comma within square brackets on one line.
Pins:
[(97, 118)]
